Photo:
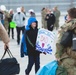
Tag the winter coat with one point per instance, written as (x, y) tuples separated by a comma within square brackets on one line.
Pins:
[(50, 20)]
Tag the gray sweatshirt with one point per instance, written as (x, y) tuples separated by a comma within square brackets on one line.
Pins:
[(19, 19)]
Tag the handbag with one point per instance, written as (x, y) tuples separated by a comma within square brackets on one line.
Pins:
[(66, 39), (12, 24), (9, 66)]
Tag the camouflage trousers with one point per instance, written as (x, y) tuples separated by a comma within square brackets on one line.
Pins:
[(68, 59), (56, 24), (70, 65)]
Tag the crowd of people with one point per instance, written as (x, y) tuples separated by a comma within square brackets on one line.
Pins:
[(65, 56)]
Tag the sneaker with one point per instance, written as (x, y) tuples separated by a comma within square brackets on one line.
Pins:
[(25, 73)]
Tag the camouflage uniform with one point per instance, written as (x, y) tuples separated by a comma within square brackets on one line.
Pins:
[(6, 23), (66, 55), (44, 22), (57, 15)]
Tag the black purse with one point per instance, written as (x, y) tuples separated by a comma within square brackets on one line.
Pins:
[(9, 66), (66, 39)]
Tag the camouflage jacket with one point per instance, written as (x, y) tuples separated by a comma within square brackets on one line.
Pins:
[(62, 52), (70, 25)]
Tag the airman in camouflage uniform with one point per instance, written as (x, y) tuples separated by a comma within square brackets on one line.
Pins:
[(43, 14), (66, 56), (6, 16), (6, 23), (57, 13)]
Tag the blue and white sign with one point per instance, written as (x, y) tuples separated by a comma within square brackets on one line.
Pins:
[(45, 41)]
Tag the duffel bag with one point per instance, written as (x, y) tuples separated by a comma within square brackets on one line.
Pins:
[(9, 66)]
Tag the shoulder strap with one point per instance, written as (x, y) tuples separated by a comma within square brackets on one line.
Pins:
[(29, 41)]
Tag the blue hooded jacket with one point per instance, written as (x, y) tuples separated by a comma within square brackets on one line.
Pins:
[(23, 48)]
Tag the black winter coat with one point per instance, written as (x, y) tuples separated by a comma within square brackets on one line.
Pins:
[(50, 21), (32, 35)]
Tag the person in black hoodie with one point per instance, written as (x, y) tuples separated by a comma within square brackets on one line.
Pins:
[(31, 36)]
